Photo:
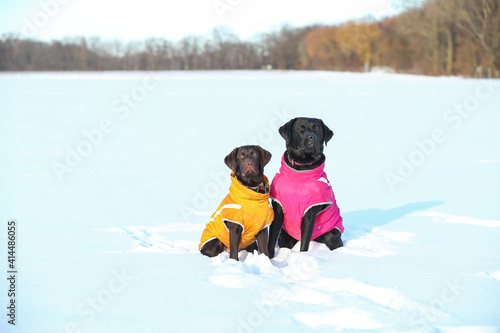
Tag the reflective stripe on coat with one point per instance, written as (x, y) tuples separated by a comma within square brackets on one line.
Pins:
[(297, 191), (244, 206)]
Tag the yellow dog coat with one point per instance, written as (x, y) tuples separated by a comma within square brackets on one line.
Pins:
[(244, 206)]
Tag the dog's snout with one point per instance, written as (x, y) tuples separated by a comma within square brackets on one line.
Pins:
[(311, 137), (249, 166)]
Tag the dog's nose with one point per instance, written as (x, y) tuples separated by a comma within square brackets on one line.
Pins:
[(311, 137)]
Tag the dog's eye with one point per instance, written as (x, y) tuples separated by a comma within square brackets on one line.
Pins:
[(301, 129), (316, 129)]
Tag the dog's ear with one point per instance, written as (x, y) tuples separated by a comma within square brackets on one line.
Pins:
[(265, 157), (327, 133), (230, 160), (286, 130)]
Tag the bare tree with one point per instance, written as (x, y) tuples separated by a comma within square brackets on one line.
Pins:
[(480, 19), (429, 37)]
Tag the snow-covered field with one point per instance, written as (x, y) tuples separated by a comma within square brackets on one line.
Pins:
[(111, 178)]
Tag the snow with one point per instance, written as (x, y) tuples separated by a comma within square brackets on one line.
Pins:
[(112, 177)]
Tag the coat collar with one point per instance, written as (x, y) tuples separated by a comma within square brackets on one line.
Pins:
[(243, 192), (313, 174)]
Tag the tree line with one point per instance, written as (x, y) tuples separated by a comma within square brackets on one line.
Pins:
[(432, 37)]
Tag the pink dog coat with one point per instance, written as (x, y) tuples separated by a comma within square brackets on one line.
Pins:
[(298, 191)]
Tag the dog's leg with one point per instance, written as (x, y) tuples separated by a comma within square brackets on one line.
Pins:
[(307, 226), (262, 241), (275, 228), (285, 240), (235, 231), (332, 239)]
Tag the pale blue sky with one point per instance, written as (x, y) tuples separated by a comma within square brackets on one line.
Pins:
[(172, 19)]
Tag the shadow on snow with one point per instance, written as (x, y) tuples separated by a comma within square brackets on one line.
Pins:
[(361, 222)]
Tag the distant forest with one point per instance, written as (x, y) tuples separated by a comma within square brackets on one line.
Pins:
[(435, 37)]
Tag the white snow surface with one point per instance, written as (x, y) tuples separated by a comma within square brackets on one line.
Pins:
[(111, 243)]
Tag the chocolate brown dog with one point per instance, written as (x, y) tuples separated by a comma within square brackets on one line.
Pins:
[(244, 214), (302, 198)]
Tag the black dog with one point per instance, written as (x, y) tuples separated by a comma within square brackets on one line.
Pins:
[(244, 214), (302, 199)]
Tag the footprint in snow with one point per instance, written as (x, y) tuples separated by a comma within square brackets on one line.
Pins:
[(296, 277), (157, 239)]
